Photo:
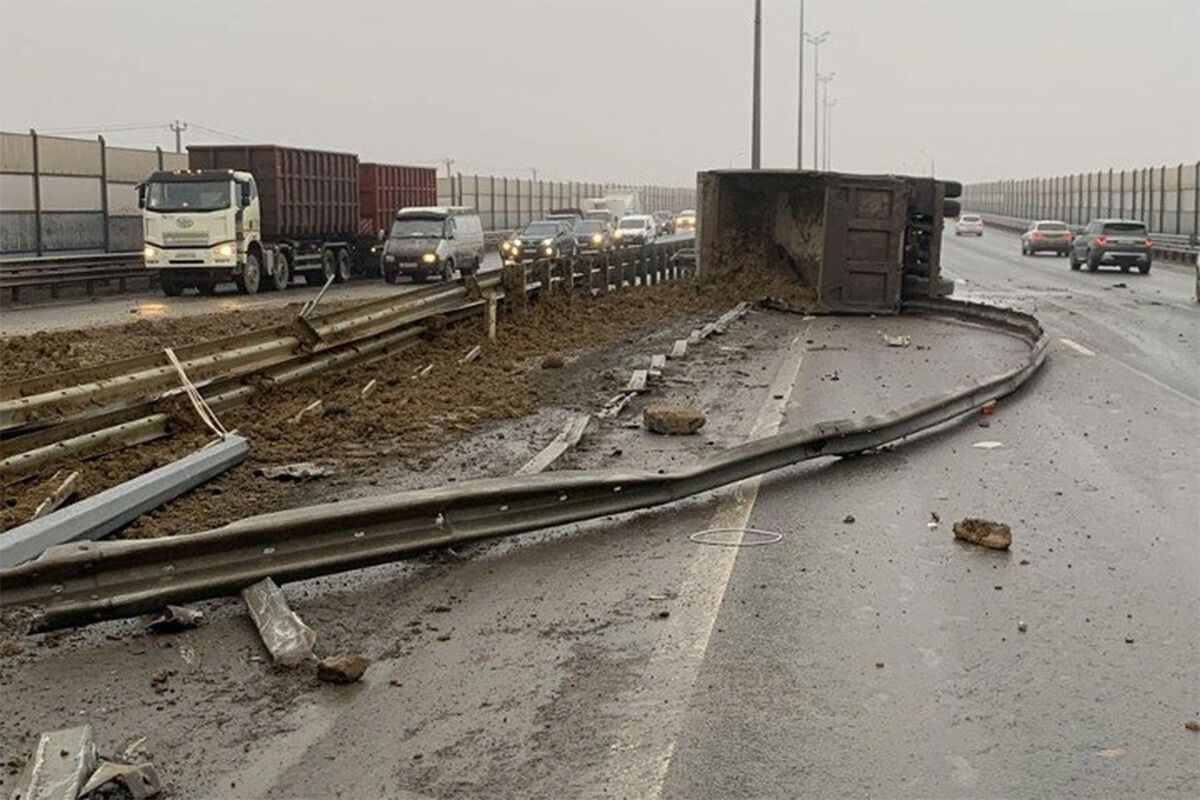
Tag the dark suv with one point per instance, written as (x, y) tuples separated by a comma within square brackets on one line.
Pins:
[(1124, 243), (541, 239)]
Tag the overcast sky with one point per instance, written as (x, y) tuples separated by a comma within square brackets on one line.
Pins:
[(647, 91)]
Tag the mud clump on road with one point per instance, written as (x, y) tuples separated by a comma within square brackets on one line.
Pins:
[(984, 533)]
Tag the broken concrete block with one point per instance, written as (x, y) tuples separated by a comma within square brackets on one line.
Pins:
[(176, 618), (673, 420), (60, 765), (136, 781), (346, 668), (985, 533), (679, 349), (288, 639)]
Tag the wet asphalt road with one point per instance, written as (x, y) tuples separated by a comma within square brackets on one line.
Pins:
[(880, 659)]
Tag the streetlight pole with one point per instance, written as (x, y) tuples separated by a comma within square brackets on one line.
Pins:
[(824, 81), (756, 110), (800, 99), (816, 42), (829, 106)]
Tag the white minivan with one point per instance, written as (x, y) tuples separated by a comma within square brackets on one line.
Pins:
[(433, 240), (636, 229)]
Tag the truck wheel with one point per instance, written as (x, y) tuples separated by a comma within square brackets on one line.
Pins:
[(344, 267), (282, 275), (328, 265), (172, 288), (248, 281)]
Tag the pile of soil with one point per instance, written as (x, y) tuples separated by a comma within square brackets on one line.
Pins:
[(407, 418)]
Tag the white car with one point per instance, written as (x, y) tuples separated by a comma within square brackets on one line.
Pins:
[(636, 229), (969, 225)]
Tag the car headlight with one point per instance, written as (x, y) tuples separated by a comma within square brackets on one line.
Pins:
[(378, 248), (150, 252), (549, 251), (225, 250), (429, 258), (597, 238)]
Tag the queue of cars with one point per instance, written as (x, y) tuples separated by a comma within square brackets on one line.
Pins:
[(1121, 243)]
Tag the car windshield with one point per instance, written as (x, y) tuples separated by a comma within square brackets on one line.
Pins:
[(1051, 226), (1125, 229), (590, 226), (188, 196), (633, 222), (418, 228), (540, 229)]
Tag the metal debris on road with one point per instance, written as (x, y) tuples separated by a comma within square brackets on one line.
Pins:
[(897, 341), (673, 420), (284, 634), (984, 533), (60, 765), (370, 387), (311, 408), (616, 405), (637, 381), (57, 497), (570, 435), (423, 371), (133, 781), (988, 445), (658, 362), (346, 668), (300, 471), (176, 618), (679, 349), (471, 355), (763, 537)]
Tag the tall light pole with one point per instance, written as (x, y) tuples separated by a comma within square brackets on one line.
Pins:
[(756, 111), (816, 42), (824, 81), (800, 99), (829, 105)]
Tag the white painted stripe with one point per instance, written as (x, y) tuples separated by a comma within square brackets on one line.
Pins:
[(638, 768), (1077, 347)]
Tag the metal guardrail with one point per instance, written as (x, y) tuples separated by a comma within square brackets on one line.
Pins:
[(54, 272), (1169, 246), (81, 583), (106, 407)]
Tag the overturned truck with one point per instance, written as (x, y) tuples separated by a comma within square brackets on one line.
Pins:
[(856, 243)]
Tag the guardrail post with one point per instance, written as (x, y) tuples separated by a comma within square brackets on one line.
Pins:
[(1179, 198), (104, 197), (605, 270), (489, 317)]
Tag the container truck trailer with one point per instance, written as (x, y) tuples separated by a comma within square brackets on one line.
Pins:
[(262, 215)]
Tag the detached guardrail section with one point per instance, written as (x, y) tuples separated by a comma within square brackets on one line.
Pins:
[(81, 583), (54, 272), (1171, 247)]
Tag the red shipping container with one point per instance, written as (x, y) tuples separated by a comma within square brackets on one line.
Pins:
[(384, 189), (303, 193)]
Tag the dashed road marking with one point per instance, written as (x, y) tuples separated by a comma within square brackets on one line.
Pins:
[(1076, 346)]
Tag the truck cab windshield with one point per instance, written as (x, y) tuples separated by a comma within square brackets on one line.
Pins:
[(417, 228), (188, 196)]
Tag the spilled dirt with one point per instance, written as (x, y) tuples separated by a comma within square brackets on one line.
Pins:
[(407, 419)]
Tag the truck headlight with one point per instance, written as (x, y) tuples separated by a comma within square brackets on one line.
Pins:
[(597, 238), (225, 250), (150, 252), (429, 258)]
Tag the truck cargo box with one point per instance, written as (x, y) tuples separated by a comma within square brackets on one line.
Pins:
[(840, 235), (304, 194), (384, 189)]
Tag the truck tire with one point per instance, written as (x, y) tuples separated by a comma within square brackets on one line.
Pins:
[(344, 266), (251, 277), (172, 288), (281, 276)]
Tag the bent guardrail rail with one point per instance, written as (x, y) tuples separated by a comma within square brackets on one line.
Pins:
[(81, 583)]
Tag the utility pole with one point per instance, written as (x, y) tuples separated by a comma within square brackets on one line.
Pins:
[(800, 99), (449, 162), (178, 128), (816, 42), (829, 106), (824, 80), (533, 171), (756, 112)]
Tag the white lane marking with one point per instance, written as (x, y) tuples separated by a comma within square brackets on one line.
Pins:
[(636, 767), (1076, 346)]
